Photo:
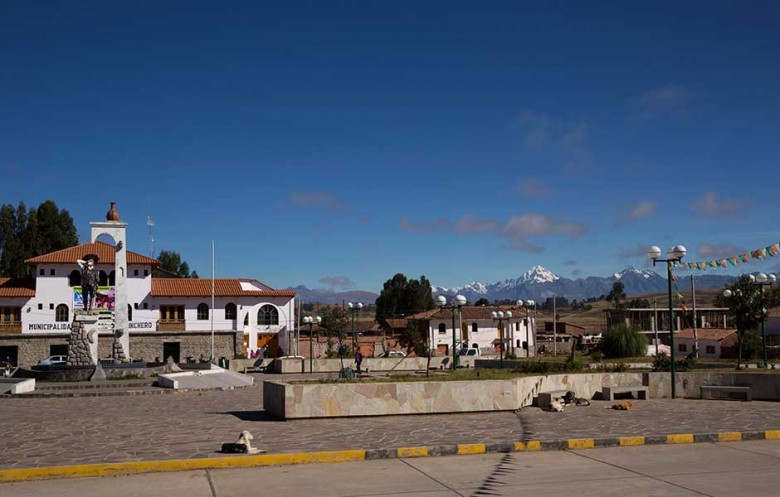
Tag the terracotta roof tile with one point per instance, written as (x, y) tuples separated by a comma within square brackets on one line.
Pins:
[(104, 251), (201, 287), (716, 334), (15, 287), (470, 312)]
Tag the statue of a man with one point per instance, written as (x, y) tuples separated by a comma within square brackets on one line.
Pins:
[(90, 277)]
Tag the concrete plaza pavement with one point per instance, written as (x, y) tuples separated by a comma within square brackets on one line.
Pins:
[(707, 469), (45, 432)]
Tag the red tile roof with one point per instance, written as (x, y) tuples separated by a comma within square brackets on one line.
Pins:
[(716, 334), (470, 312), (13, 287), (104, 251), (201, 287)]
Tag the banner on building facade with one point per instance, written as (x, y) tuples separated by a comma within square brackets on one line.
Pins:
[(104, 299)]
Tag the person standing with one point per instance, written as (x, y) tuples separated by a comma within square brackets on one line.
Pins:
[(358, 360)]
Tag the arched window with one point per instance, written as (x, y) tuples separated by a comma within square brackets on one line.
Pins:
[(103, 280), (129, 312), (61, 313), (474, 327), (246, 319), (203, 312), (230, 311), (267, 315), (74, 279), (442, 328), (112, 278)]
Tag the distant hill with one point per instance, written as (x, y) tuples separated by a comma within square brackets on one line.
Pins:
[(325, 296)]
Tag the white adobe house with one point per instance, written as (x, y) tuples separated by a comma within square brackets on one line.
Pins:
[(475, 328), (712, 342), (165, 316)]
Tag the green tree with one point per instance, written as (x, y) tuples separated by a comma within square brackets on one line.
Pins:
[(400, 296), (746, 303), (29, 233), (623, 341), (335, 322), (171, 262), (415, 339), (617, 294)]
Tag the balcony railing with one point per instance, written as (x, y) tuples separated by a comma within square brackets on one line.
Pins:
[(10, 326), (170, 325)]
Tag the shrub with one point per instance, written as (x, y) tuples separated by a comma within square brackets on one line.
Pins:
[(623, 341), (574, 364)]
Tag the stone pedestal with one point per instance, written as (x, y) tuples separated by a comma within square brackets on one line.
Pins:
[(83, 340)]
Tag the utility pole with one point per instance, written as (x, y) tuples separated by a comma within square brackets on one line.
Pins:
[(555, 327), (695, 332)]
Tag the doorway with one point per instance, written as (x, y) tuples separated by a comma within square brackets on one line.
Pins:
[(172, 349), (10, 354)]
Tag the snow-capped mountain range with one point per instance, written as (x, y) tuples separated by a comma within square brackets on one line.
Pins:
[(539, 284)]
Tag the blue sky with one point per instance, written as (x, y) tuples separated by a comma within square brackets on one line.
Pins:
[(334, 144)]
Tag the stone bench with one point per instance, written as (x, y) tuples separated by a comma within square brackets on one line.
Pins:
[(706, 390), (642, 392), (544, 399)]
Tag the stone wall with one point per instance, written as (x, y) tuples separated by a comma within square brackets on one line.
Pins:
[(146, 346), (314, 400)]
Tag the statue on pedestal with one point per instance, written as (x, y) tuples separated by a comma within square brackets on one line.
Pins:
[(90, 278)]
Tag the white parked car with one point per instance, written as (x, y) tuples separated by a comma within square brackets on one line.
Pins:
[(396, 353), (469, 352), (53, 360)]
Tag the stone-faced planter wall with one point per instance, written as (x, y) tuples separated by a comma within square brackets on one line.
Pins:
[(343, 399)]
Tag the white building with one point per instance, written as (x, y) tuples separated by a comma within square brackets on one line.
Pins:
[(476, 328), (166, 316), (713, 342)]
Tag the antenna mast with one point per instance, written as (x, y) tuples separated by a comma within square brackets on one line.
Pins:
[(150, 224)]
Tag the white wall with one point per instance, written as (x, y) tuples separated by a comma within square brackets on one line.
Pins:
[(487, 333)]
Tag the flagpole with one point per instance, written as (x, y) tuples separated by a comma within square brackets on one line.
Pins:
[(212, 301)]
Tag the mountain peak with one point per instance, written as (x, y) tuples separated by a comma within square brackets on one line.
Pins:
[(538, 274), (631, 270)]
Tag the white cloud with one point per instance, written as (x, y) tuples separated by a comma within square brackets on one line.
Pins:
[(718, 251), (338, 281), (670, 99), (532, 187), (709, 205), (564, 137), (630, 252), (641, 210), (407, 224), (320, 200), (519, 228), (469, 224)]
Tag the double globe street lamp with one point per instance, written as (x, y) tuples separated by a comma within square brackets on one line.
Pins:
[(310, 320), (674, 255), (526, 322), (500, 316), (354, 309), (456, 303)]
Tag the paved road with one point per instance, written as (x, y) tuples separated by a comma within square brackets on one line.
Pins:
[(63, 431), (714, 470)]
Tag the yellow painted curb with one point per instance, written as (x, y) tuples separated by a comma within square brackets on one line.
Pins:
[(631, 441), (730, 436), (682, 438), (471, 449), (772, 434), (527, 446), (586, 443), (127, 468), (412, 452)]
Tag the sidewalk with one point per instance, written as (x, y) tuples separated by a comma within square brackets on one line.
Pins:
[(714, 470), (44, 432)]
